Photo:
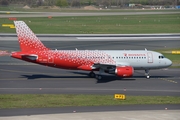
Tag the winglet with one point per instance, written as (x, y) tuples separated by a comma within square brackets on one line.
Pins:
[(27, 39)]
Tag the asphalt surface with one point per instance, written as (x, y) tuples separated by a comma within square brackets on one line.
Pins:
[(96, 37), (48, 111), (19, 77), (11, 44), (46, 14), (22, 79)]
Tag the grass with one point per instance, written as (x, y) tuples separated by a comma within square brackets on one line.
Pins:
[(72, 9), (61, 100), (122, 24)]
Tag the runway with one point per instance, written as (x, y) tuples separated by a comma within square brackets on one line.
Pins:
[(30, 79), (64, 43), (21, 77), (18, 77)]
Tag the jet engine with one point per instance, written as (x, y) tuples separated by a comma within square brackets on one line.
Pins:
[(124, 71)]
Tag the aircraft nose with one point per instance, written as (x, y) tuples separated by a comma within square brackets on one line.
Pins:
[(169, 62)]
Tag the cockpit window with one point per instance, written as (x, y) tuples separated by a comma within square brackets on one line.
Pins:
[(161, 57)]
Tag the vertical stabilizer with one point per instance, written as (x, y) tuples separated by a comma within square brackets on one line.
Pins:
[(27, 39)]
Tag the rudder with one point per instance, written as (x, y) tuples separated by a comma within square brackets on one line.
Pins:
[(27, 39)]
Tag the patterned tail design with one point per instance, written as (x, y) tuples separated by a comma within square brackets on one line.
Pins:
[(27, 39)]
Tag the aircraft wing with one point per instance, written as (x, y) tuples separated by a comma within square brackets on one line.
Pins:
[(109, 66), (102, 66)]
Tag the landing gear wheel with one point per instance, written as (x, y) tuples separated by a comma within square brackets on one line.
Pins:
[(92, 74), (99, 77), (147, 74)]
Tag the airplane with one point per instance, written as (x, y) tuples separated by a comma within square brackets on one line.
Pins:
[(118, 62)]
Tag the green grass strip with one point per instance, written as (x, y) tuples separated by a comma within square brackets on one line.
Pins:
[(62, 100), (12, 8), (118, 24)]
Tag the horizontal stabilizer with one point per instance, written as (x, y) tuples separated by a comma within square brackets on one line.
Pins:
[(30, 57), (21, 55)]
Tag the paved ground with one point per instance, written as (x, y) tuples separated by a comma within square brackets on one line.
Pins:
[(51, 80), (20, 77), (125, 112), (46, 14), (130, 115), (76, 109), (40, 79)]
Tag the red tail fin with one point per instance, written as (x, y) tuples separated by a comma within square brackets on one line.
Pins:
[(27, 39)]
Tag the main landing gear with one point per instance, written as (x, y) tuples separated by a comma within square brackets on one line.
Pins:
[(93, 75), (98, 77), (147, 74)]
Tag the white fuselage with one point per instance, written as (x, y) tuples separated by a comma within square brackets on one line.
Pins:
[(139, 59)]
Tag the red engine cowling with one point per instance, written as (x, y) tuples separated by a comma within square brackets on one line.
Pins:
[(124, 71)]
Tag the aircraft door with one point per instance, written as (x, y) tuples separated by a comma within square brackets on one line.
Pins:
[(150, 57)]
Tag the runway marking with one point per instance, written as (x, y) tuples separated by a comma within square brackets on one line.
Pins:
[(123, 38), (168, 80)]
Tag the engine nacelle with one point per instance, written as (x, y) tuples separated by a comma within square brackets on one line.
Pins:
[(124, 71)]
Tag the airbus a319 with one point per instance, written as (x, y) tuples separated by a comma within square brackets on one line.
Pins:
[(118, 62)]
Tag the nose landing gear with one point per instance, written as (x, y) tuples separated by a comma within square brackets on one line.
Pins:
[(147, 74)]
